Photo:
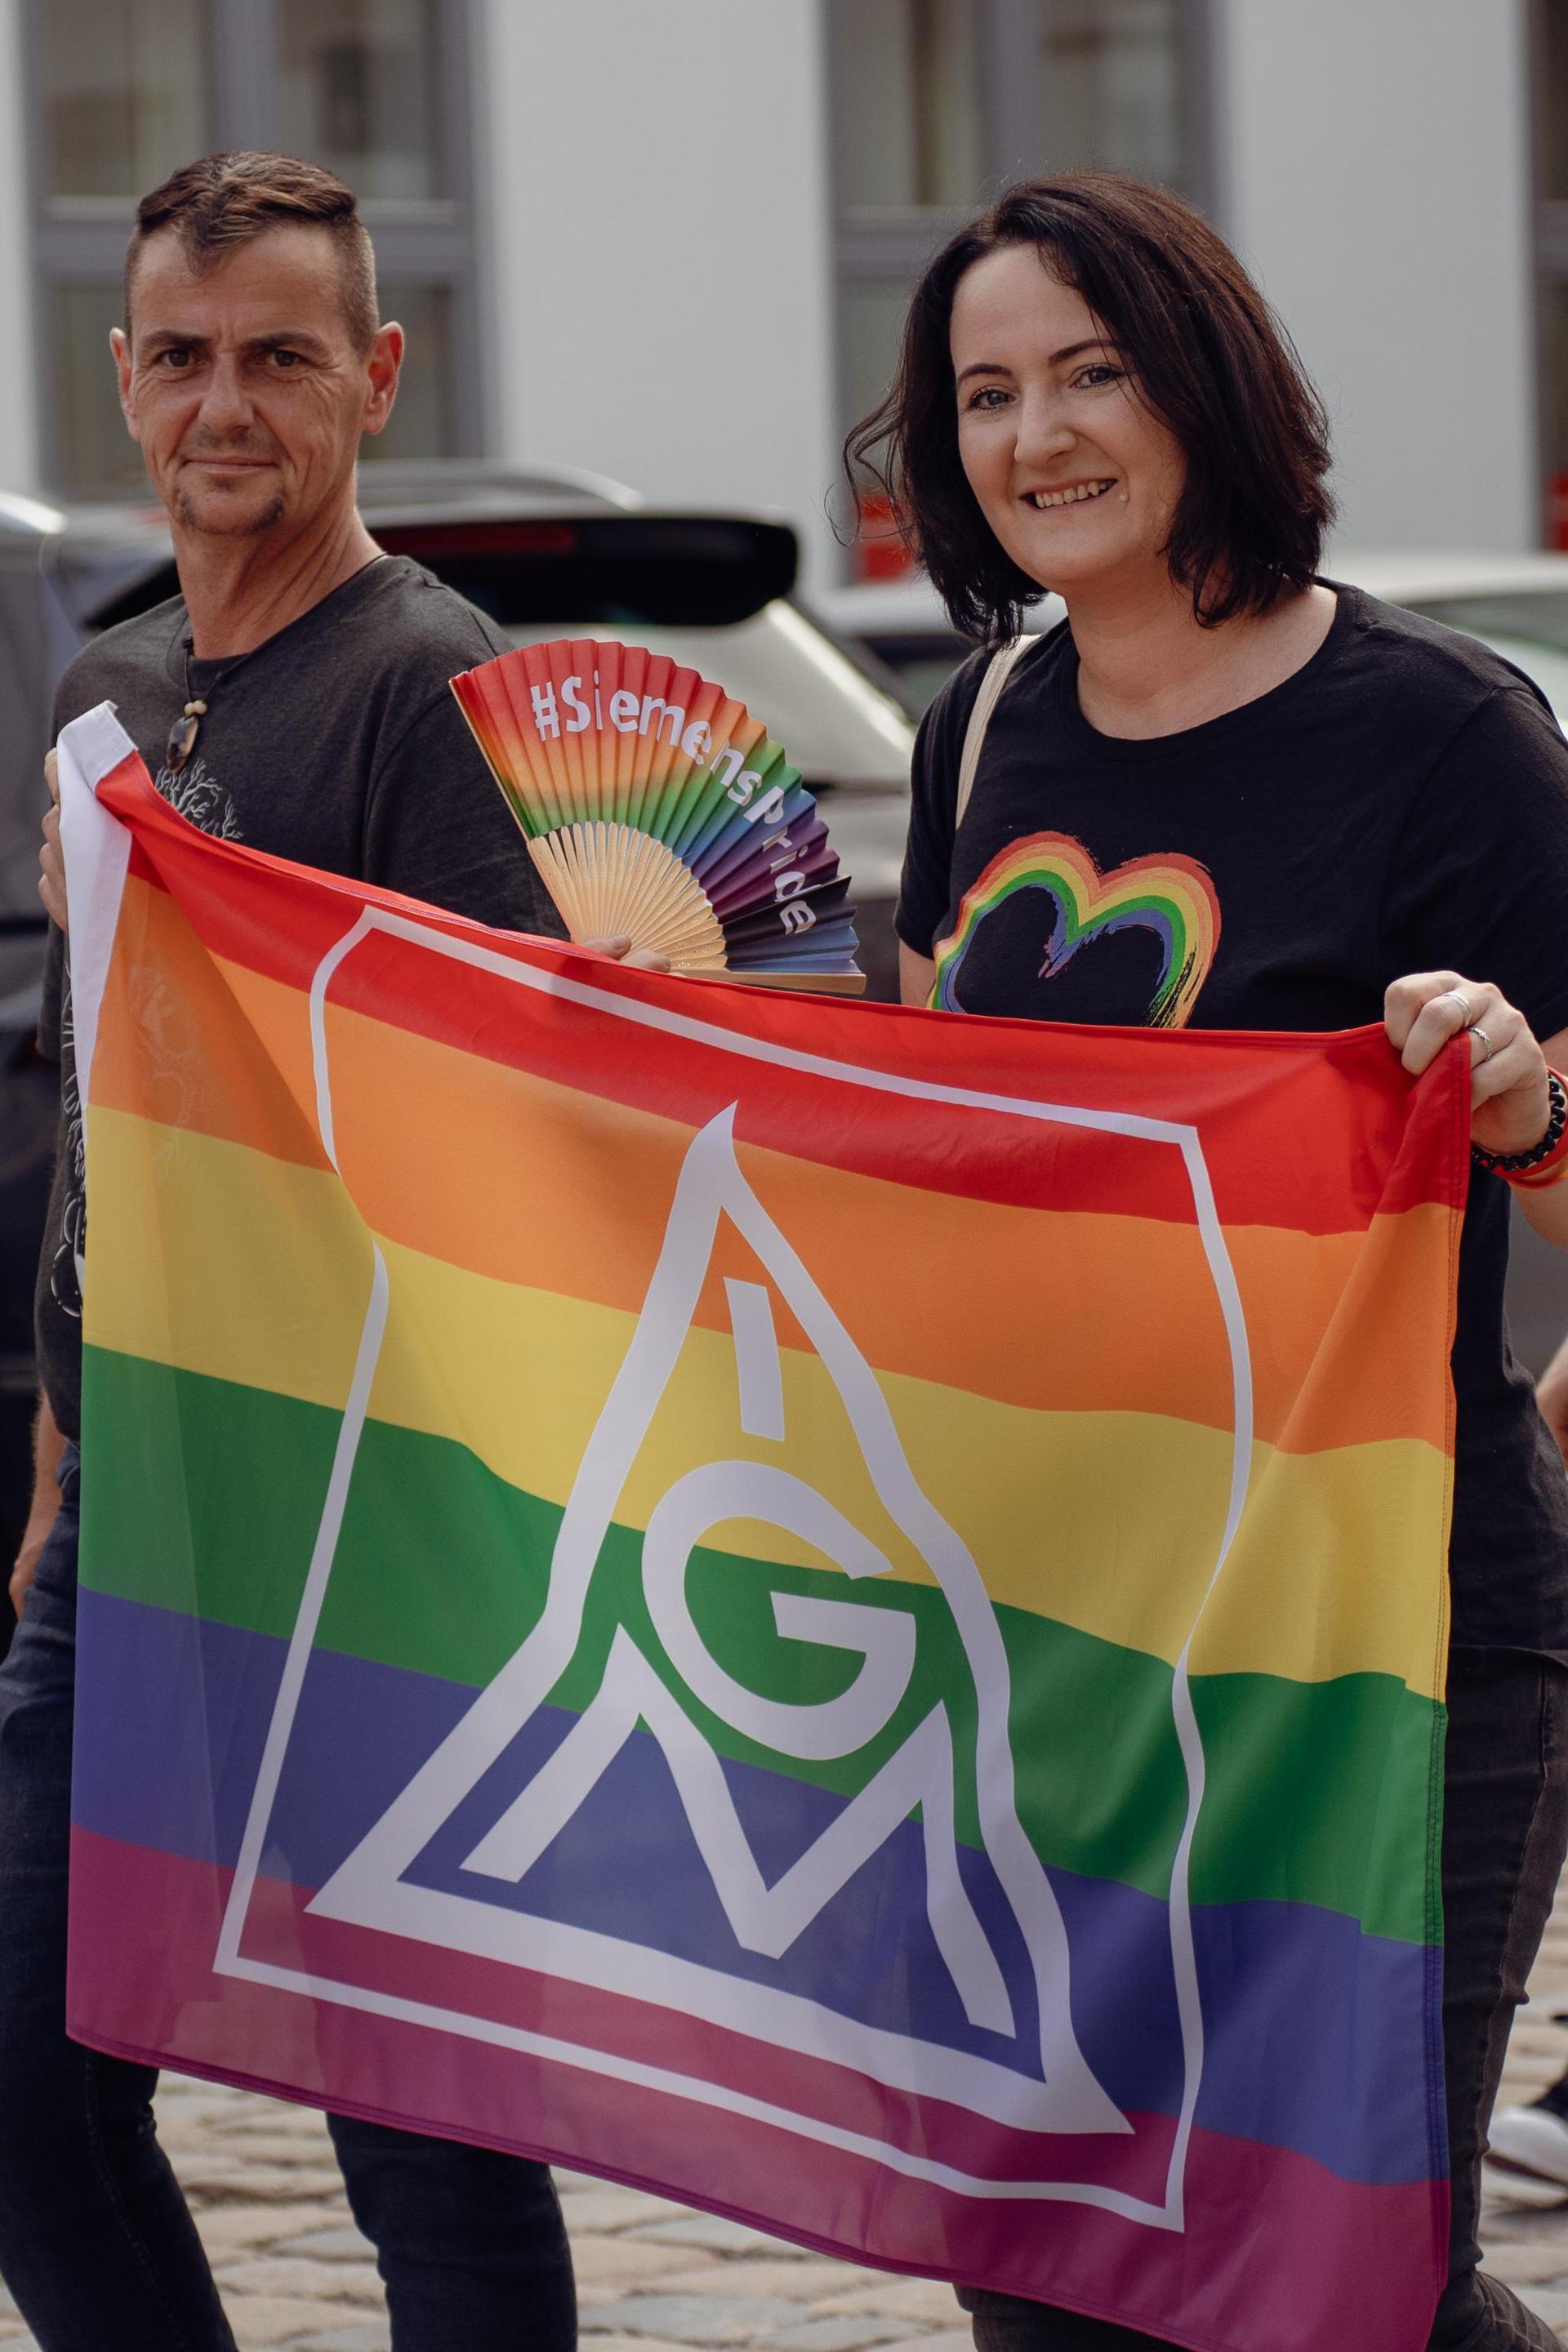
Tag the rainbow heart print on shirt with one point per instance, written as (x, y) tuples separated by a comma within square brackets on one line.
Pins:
[(1169, 894)]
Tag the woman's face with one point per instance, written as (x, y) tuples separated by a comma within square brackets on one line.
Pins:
[(1077, 477)]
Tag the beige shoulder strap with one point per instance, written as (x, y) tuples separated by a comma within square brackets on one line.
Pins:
[(998, 671)]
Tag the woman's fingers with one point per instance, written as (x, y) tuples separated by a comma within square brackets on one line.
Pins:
[(1509, 1098), (1425, 1009)]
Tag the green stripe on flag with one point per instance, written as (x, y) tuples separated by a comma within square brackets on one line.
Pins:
[(1316, 1793)]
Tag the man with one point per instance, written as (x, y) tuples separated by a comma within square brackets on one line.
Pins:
[(293, 696)]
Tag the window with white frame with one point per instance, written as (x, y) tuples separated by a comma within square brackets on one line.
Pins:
[(375, 89), (939, 104)]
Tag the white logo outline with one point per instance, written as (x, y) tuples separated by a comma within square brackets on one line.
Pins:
[(369, 1888), (230, 1959)]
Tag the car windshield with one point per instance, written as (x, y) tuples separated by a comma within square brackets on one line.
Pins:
[(1526, 627)]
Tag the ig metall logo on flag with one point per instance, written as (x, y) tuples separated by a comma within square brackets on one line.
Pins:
[(834, 1868)]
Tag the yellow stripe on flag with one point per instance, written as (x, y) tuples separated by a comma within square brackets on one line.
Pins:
[(227, 1264)]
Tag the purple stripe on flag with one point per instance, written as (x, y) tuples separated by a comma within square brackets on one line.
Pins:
[(169, 1735), (1353, 2266)]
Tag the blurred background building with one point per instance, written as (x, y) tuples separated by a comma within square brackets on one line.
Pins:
[(671, 240)]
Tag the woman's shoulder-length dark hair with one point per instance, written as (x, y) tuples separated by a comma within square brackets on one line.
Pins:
[(1204, 352)]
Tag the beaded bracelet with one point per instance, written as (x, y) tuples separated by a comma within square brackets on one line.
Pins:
[(1545, 1162)]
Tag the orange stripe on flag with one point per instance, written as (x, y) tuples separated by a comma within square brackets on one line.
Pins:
[(467, 1161)]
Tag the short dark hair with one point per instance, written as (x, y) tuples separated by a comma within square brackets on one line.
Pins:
[(224, 201), (1207, 354)]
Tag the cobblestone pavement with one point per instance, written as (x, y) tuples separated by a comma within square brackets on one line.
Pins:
[(652, 2275)]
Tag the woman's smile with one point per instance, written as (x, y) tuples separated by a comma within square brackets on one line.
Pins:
[(1069, 494)]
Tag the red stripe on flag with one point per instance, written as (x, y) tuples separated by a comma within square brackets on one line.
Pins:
[(1287, 1140), (1275, 2253)]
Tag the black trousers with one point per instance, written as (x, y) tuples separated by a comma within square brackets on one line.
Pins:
[(96, 2245), (1505, 1830)]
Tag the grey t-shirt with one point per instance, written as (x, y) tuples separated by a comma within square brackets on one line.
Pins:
[(337, 743)]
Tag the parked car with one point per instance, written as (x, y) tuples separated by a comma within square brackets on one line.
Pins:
[(1517, 603), (901, 631)]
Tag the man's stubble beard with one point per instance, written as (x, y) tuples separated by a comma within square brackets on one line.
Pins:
[(188, 514)]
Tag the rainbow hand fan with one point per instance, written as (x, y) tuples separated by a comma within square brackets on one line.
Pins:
[(653, 803)]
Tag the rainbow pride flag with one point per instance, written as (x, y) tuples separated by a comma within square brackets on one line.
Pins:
[(835, 1609)]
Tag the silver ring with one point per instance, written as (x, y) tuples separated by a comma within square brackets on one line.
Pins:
[(1463, 1002), (1477, 1031)]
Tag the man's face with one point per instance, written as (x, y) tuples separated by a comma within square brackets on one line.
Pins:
[(242, 382)]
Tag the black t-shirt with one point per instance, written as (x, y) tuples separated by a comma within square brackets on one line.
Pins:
[(337, 743), (1400, 805)]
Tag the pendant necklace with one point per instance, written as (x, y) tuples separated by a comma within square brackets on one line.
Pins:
[(182, 734)]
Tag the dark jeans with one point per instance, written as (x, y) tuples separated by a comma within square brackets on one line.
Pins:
[(1505, 1827), (96, 2243)]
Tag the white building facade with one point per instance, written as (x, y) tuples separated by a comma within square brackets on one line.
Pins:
[(670, 239)]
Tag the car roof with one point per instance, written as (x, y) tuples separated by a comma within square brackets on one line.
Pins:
[(405, 491), (388, 493), (107, 559), (1422, 575), (910, 606)]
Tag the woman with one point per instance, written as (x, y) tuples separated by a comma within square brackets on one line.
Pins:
[(1093, 398)]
